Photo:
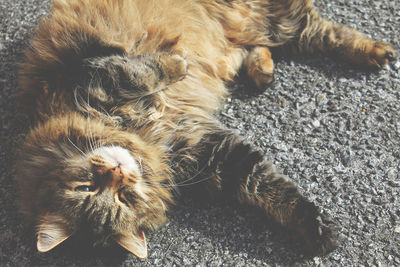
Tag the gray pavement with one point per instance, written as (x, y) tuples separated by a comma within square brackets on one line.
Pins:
[(333, 129)]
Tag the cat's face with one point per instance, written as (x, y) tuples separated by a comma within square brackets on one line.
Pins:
[(83, 176)]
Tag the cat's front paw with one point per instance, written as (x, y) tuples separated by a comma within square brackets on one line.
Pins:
[(379, 54), (175, 67), (317, 230)]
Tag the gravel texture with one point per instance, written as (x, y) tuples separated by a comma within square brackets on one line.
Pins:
[(333, 129)]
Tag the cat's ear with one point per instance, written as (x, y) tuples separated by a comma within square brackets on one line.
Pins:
[(134, 243), (51, 231)]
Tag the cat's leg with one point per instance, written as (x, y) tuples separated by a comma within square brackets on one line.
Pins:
[(135, 76), (237, 170), (326, 36), (260, 67)]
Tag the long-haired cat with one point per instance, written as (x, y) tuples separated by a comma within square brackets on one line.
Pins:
[(122, 93)]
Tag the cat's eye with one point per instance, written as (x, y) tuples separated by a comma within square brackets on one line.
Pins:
[(85, 188)]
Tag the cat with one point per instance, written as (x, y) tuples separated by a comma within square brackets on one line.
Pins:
[(122, 94)]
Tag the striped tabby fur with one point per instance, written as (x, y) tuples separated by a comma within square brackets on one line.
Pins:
[(121, 95)]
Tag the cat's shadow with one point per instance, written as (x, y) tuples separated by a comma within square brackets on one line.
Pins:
[(197, 234), (225, 228)]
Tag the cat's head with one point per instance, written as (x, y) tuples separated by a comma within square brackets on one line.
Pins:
[(79, 175)]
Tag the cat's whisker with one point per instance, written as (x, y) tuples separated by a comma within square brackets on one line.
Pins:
[(184, 181), (91, 139), (181, 184), (84, 106), (196, 182), (96, 141), (79, 102), (100, 139), (77, 148), (195, 175), (88, 147)]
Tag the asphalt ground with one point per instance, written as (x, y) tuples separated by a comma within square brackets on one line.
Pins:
[(333, 129)]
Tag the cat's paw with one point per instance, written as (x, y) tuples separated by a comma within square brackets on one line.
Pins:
[(321, 238), (262, 78), (317, 230), (260, 67), (379, 54), (174, 66)]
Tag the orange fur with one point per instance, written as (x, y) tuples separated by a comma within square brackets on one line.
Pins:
[(147, 76)]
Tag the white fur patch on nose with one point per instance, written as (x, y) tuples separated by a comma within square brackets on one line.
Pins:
[(118, 156)]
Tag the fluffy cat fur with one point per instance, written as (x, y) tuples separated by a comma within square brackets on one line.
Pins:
[(121, 94)]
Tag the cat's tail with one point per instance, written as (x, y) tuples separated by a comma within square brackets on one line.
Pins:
[(325, 36)]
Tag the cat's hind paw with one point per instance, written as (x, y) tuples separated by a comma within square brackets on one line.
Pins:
[(260, 67)]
